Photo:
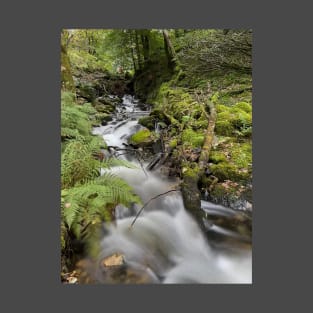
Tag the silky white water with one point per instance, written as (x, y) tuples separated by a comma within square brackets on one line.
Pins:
[(165, 242)]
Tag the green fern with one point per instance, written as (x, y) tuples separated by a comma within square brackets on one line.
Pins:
[(87, 199), (72, 117), (77, 163), (90, 203), (75, 118)]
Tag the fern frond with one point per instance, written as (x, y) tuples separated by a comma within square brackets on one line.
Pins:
[(77, 164), (88, 109), (111, 162), (70, 212), (69, 133), (67, 98), (72, 117), (90, 202)]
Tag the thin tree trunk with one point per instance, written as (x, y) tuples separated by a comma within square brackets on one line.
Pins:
[(138, 50), (169, 48), (67, 82), (208, 139), (132, 50), (145, 46), (190, 190)]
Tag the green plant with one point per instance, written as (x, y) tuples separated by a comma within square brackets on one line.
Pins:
[(75, 119), (192, 138), (91, 203), (141, 136), (77, 163)]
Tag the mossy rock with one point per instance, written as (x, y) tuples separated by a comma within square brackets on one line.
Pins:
[(200, 124), (244, 106), (240, 118), (217, 157), (143, 136), (192, 138), (103, 117), (223, 128), (227, 171), (233, 120), (160, 116), (106, 101), (100, 107), (147, 121), (87, 91)]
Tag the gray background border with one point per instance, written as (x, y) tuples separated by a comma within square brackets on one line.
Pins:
[(31, 154)]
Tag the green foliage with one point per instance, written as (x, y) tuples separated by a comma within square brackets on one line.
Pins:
[(77, 163), (225, 171), (208, 50), (75, 119), (192, 138), (147, 121), (91, 203), (241, 155), (173, 143), (244, 106), (217, 157), (86, 50), (190, 169), (67, 81), (234, 120), (143, 135)]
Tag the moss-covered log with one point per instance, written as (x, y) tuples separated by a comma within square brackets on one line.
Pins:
[(191, 177)]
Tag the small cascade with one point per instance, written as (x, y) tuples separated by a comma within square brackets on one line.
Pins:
[(165, 244)]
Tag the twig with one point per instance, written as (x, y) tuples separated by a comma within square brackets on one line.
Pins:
[(137, 215), (138, 159)]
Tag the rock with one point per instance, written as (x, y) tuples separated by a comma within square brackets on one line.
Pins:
[(115, 270), (115, 259)]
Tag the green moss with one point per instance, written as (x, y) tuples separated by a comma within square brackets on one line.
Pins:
[(200, 124), (66, 73), (234, 120), (192, 138), (147, 121), (142, 136), (173, 143), (217, 157), (218, 191), (190, 170), (226, 171), (223, 128), (221, 108), (241, 154), (244, 106)]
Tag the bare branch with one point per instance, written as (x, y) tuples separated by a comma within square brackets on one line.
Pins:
[(139, 212)]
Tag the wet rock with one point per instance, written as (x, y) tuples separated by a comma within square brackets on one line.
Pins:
[(115, 270)]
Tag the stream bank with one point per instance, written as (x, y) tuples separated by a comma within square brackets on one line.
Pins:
[(166, 244)]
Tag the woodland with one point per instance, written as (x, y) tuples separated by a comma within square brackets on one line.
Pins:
[(195, 89)]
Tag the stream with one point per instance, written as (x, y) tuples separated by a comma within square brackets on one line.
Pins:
[(165, 244)]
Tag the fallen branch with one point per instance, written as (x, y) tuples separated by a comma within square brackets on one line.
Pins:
[(155, 197)]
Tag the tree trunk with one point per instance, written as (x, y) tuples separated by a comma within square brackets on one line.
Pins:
[(67, 82), (169, 49), (209, 135), (146, 46), (138, 50), (130, 39), (190, 190)]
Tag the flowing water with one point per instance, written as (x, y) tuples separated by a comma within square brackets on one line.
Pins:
[(165, 244)]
